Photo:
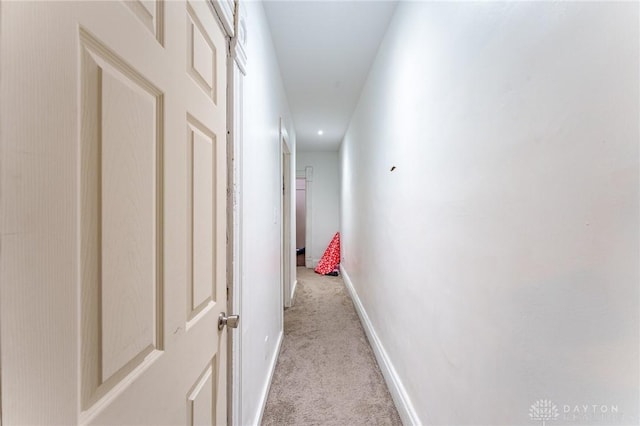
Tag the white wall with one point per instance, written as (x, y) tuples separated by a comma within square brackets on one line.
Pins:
[(264, 103), (325, 199), (498, 264), (301, 205)]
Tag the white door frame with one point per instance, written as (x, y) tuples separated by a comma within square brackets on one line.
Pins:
[(285, 224), (307, 174), (236, 70)]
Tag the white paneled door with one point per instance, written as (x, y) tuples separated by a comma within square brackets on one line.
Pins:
[(113, 203)]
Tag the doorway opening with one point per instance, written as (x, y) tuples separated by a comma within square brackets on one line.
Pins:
[(306, 175), (286, 208), (301, 214)]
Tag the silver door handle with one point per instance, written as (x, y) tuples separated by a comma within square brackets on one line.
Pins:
[(231, 320)]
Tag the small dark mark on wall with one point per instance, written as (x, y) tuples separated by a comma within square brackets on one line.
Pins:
[(393, 168)]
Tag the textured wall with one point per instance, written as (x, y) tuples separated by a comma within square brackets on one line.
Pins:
[(498, 263)]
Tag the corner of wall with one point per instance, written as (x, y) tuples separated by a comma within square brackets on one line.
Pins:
[(293, 291)]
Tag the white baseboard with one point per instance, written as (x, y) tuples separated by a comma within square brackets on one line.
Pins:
[(267, 385), (396, 388)]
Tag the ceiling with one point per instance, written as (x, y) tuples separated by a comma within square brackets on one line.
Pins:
[(325, 50)]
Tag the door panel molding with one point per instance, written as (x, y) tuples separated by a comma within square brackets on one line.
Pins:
[(94, 172), (202, 152), (201, 397), (151, 17), (121, 215)]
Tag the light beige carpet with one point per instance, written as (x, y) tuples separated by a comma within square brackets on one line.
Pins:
[(326, 373)]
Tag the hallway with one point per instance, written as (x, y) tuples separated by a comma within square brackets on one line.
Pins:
[(326, 373), (480, 161)]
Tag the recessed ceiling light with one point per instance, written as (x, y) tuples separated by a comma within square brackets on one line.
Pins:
[(320, 132)]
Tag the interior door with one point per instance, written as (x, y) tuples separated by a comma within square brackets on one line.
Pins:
[(113, 207)]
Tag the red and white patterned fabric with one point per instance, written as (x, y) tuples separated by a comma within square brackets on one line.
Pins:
[(331, 257)]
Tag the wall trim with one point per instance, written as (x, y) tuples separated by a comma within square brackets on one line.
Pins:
[(308, 172), (224, 10), (235, 218), (396, 388), (267, 385), (286, 224), (239, 40), (293, 295)]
